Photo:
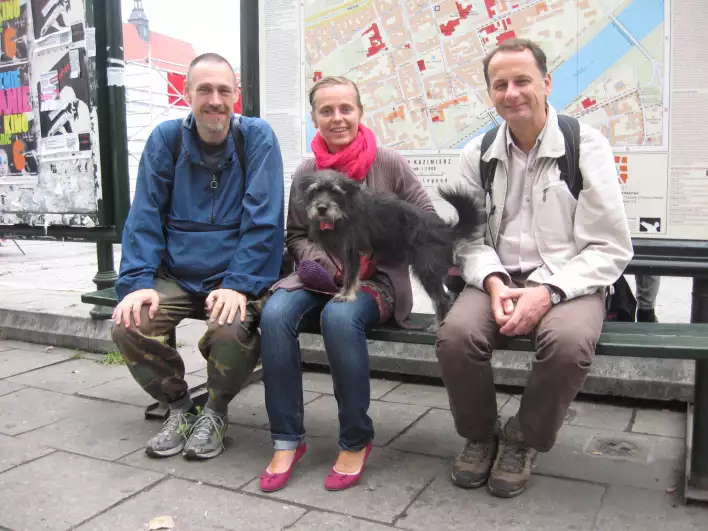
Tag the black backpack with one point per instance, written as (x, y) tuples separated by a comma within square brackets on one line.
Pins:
[(620, 302)]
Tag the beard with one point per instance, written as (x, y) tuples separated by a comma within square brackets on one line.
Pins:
[(213, 127), (216, 126)]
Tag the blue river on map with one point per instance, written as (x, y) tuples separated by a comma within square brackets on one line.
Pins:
[(575, 75)]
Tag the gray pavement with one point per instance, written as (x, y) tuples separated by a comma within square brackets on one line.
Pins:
[(72, 457), (72, 433)]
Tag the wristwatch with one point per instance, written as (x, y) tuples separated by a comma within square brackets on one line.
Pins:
[(555, 296)]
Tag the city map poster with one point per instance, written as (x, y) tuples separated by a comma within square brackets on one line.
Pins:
[(13, 31), (18, 160), (62, 85), (418, 65)]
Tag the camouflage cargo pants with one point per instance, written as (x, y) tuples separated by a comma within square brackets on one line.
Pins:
[(231, 351)]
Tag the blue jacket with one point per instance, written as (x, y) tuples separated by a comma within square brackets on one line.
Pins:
[(205, 238)]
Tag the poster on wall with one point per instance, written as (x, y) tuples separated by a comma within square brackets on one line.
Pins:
[(63, 89), (18, 153), (13, 31), (57, 22)]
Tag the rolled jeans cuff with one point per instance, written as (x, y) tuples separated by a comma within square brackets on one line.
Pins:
[(288, 444), (356, 448)]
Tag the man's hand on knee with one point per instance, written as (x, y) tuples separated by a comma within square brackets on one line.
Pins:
[(133, 303), (530, 307), (222, 304)]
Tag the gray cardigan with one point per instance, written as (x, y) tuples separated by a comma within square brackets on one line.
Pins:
[(390, 172)]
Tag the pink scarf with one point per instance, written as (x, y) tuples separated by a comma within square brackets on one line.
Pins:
[(354, 160)]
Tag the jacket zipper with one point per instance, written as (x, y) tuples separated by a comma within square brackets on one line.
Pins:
[(214, 185)]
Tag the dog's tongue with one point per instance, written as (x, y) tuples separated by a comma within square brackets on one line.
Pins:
[(326, 225)]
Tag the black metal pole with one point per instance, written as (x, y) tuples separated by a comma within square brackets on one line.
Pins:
[(250, 89), (110, 99), (105, 277), (117, 120), (699, 447)]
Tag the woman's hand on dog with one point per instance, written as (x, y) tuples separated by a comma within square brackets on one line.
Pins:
[(367, 268)]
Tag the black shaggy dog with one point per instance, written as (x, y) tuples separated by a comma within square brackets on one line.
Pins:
[(347, 220)]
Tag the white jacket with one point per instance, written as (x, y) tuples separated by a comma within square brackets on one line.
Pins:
[(585, 244)]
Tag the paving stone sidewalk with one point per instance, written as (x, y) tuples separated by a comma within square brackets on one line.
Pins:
[(71, 457)]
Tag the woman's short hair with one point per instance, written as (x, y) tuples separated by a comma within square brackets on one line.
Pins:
[(332, 81)]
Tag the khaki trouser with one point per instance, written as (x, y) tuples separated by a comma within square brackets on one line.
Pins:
[(647, 290), (231, 351), (565, 342)]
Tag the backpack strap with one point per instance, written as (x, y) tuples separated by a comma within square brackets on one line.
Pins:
[(177, 144), (487, 169), (569, 165), (240, 143)]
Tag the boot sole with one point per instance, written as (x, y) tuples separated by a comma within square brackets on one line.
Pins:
[(505, 493), (475, 485)]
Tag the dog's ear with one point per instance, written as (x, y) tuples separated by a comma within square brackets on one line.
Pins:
[(304, 185), (348, 186)]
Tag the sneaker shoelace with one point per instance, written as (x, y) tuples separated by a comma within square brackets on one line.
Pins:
[(204, 426), (174, 422)]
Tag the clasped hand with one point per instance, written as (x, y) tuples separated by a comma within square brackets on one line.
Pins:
[(517, 311)]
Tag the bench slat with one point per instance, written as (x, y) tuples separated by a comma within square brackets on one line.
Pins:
[(644, 340), (103, 297)]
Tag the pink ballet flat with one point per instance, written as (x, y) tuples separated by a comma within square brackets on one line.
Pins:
[(339, 481), (270, 482)]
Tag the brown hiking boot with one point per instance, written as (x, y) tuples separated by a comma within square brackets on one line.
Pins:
[(512, 468), (470, 469)]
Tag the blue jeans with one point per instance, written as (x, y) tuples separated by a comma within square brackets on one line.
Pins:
[(343, 325)]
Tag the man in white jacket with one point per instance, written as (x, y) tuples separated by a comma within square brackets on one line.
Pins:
[(540, 268)]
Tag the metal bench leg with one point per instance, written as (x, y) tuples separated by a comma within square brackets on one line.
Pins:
[(697, 432), (20, 248)]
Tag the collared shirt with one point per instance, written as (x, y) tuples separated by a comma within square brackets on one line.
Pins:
[(517, 247)]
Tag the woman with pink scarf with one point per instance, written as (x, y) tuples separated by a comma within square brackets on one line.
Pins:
[(344, 144)]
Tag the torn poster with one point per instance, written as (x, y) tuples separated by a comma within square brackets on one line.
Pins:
[(57, 22), (62, 85), (13, 31), (18, 144)]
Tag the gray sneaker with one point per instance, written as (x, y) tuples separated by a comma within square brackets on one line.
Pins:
[(207, 438), (173, 436)]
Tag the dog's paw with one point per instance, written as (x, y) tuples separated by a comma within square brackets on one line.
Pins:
[(345, 297), (433, 328)]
